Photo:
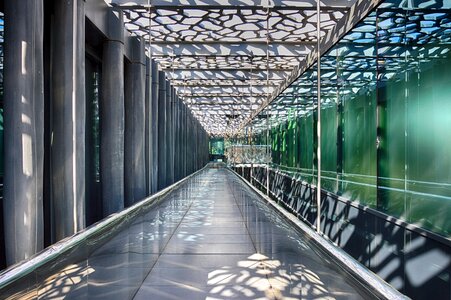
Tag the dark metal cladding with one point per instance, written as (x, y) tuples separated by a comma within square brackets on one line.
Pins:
[(113, 118), (24, 130)]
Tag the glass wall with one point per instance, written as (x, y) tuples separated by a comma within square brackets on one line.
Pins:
[(385, 115), (93, 188), (1, 99), (217, 146), (2, 165)]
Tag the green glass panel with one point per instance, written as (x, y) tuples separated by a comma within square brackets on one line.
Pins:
[(298, 143), (283, 146), (306, 146), (217, 146), (392, 148), (428, 144), (359, 149), (291, 142), (275, 145), (2, 163), (329, 147)]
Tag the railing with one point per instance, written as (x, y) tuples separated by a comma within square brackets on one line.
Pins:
[(63, 269), (371, 281)]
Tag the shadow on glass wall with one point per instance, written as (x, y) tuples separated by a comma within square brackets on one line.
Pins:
[(385, 123)]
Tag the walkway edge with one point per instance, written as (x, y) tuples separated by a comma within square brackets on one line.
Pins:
[(381, 287), (28, 266)]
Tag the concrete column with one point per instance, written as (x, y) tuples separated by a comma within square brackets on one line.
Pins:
[(154, 126), (182, 138), (182, 128), (178, 142), (162, 138), (175, 131), (112, 117), (68, 118), (135, 169), (196, 145), (148, 126), (173, 134), (169, 135), (23, 129), (191, 144), (185, 140), (188, 142)]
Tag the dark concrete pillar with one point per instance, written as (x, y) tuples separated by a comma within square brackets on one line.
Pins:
[(23, 129), (180, 125), (172, 104), (112, 117), (169, 135), (135, 169), (182, 139), (174, 135), (196, 145), (190, 143), (185, 146), (162, 138), (68, 118), (147, 122), (177, 138), (182, 133), (148, 126), (154, 126)]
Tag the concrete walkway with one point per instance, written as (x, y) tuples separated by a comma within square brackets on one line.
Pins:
[(220, 241)]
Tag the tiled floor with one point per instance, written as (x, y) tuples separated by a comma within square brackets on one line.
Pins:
[(219, 241)]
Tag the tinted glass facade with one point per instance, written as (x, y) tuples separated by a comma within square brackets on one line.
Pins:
[(385, 116)]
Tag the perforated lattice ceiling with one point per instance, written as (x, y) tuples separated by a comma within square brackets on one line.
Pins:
[(225, 57)]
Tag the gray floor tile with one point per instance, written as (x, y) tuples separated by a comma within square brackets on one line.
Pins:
[(206, 261), (180, 238), (196, 277), (170, 292), (199, 248)]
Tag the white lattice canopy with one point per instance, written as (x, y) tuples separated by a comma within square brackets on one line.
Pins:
[(227, 58)]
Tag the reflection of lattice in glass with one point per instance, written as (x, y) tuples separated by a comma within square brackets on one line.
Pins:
[(387, 43), (247, 154)]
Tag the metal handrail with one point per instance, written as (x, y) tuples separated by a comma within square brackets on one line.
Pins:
[(26, 267), (381, 287)]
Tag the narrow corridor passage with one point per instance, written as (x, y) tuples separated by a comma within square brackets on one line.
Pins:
[(223, 242)]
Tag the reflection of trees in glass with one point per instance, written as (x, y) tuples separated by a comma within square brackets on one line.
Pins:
[(2, 27), (1, 93), (217, 146), (96, 126), (1, 141), (385, 120)]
